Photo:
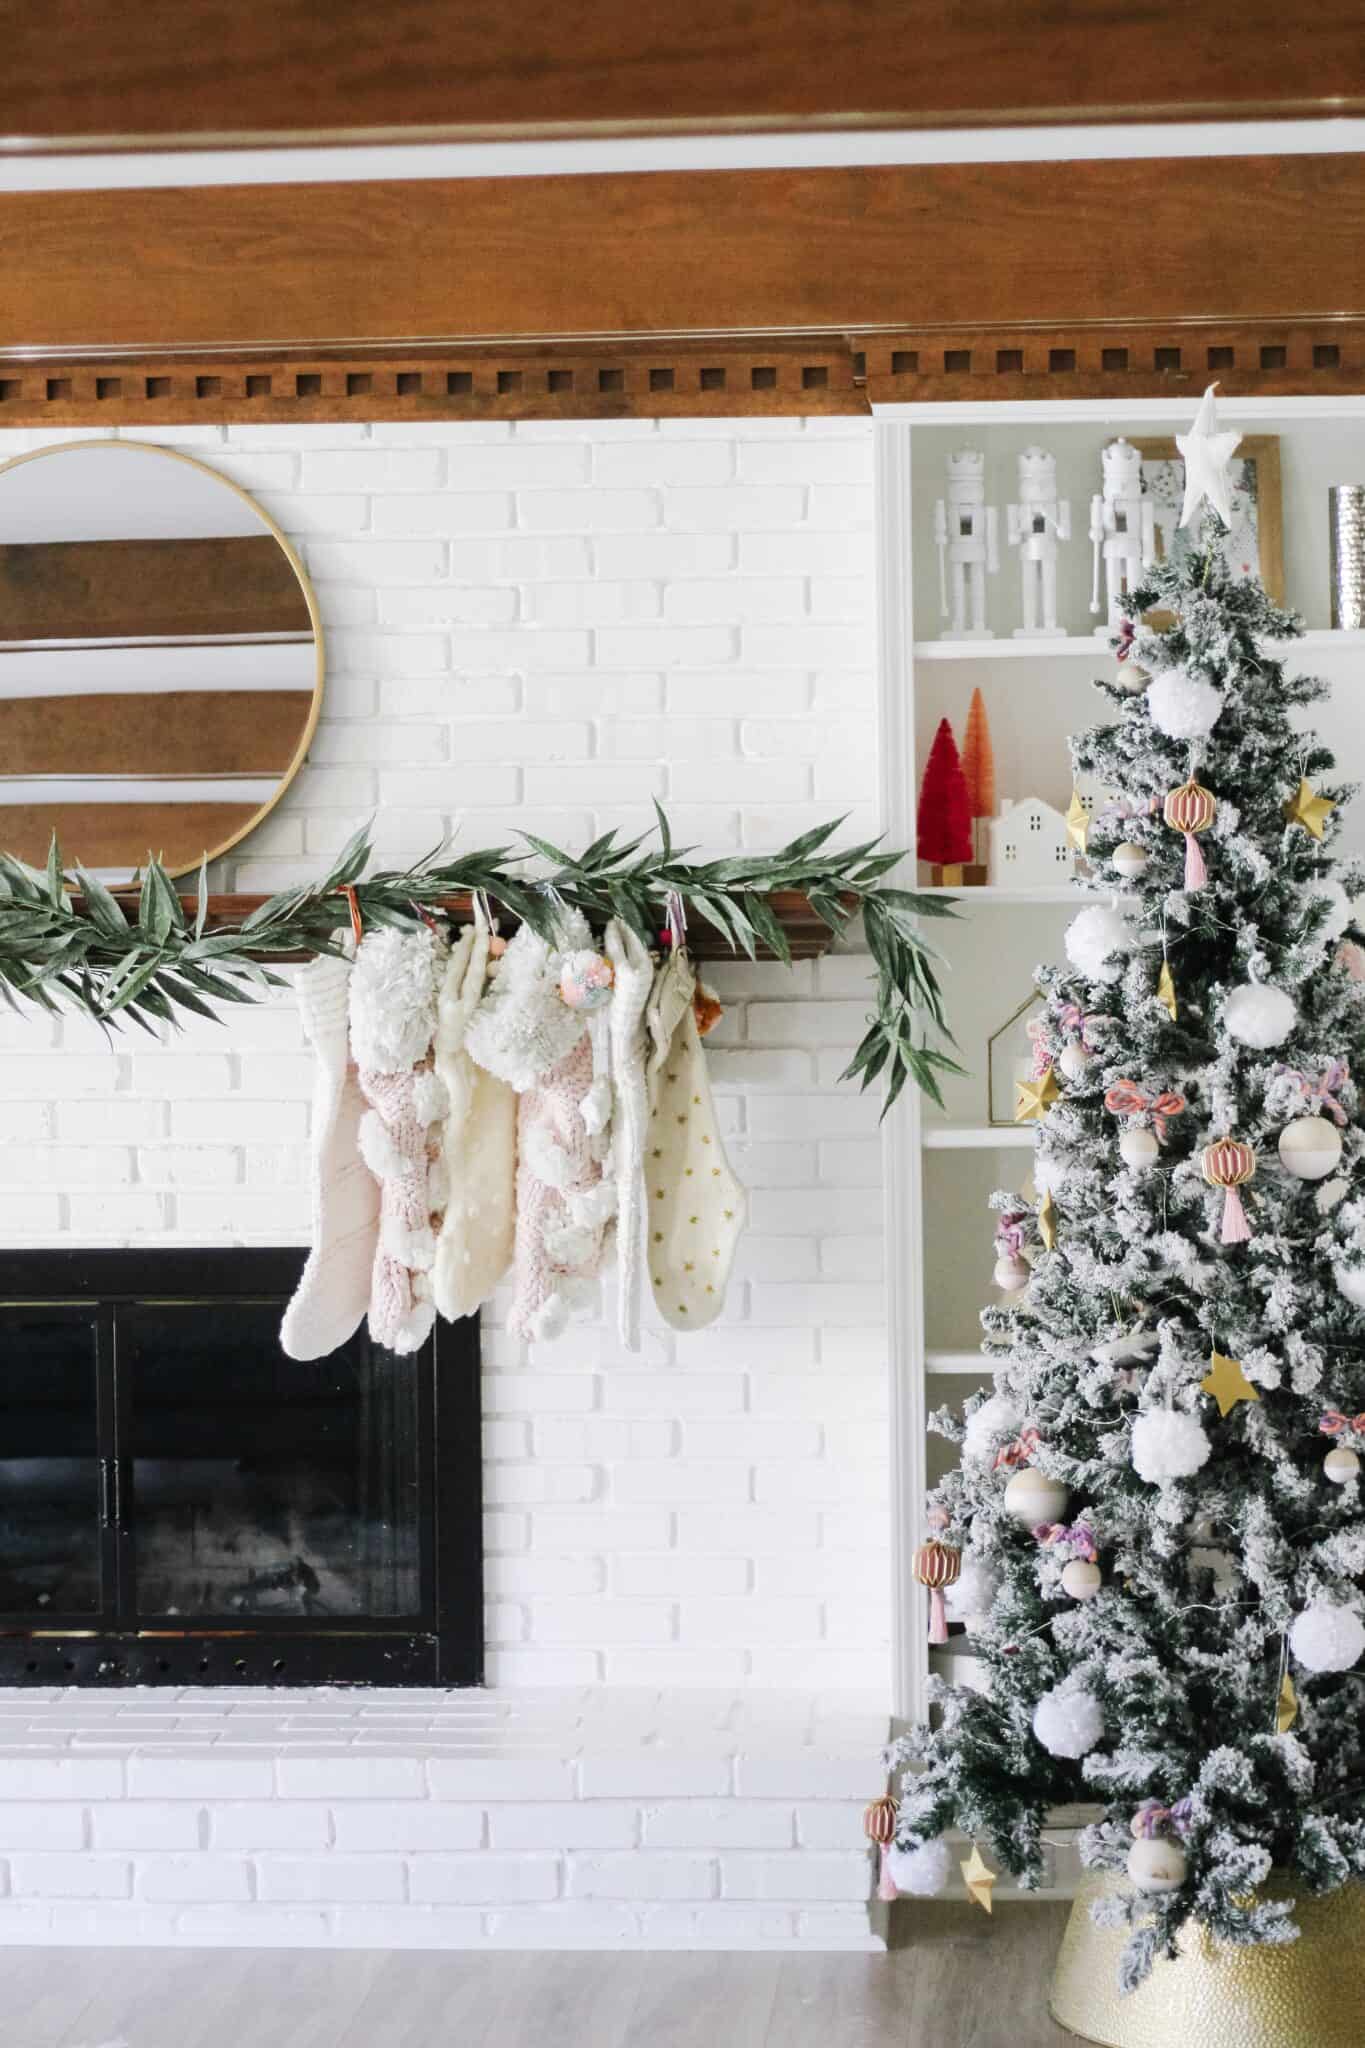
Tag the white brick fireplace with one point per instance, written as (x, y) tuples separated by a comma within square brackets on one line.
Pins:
[(688, 1551)]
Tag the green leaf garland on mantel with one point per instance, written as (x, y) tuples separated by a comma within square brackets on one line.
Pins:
[(152, 968)]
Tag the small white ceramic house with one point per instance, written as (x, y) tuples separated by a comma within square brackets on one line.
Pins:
[(1029, 846)]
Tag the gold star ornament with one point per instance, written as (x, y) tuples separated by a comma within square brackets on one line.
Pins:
[(1165, 989), (1228, 1384), (1308, 809), (1286, 1706), (1077, 821), (1047, 1222), (978, 1877), (1033, 1099)]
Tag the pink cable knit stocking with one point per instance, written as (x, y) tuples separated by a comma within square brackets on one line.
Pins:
[(562, 1200)]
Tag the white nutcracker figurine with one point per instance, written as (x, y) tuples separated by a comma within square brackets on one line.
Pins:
[(1123, 528), (967, 531), (1035, 525)]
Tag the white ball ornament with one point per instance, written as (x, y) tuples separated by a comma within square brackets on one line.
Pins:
[(1068, 1724), (1157, 1865), (1259, 1016), (1138, 1147), (1081, 1580), (1310, 1147), (1094, 937), (1341, 1465), (1032, 1497), (1075, 1061), (1183, 706), (1129, 860), (1011, 1273), (1326, 1637), (1351, 1282), (1168, 1444), (922, 1872)]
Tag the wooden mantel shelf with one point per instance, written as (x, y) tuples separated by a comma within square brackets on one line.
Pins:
[(807, 934)]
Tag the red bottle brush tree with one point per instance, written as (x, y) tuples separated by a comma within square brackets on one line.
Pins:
[(944, 821)]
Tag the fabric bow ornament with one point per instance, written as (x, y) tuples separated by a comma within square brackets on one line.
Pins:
[(1042, 1058), (1089, 1029), (1153, 1819), (1320, 1091), (1126, 1098), (1009, 1232), (1077, 1541), (1018, 1453), (1334, 1423)]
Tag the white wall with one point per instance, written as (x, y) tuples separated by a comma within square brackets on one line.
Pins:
[(542, 626)]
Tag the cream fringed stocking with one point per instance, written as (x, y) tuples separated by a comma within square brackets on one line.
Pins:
[(562, 1200), (393, 1019), (334, 1290), (633, 979), (478, 1143), (696, 1207)]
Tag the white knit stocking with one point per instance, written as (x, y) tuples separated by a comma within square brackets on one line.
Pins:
[(634, 977), (334, 1290), (478, 1144)]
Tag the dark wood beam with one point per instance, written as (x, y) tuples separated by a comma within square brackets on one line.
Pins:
[(390, 265), (80, 73)]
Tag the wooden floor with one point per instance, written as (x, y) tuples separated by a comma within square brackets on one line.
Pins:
[(959, 1981)]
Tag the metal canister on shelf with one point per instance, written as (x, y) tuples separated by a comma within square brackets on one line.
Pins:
[(1347, 518)]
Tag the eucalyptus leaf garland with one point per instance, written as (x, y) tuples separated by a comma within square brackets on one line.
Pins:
[(153, 965)]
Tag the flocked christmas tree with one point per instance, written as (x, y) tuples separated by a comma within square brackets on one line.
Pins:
[(1158, 1509)]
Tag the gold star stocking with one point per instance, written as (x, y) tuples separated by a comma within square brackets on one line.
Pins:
[(694, 1206)]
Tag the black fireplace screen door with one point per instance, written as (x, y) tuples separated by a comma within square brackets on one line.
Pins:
[(182, 1504)]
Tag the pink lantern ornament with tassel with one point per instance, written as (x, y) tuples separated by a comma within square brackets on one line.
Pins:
[(879, 1825), (937, 1565), (1191, 809), (1229, 1163)]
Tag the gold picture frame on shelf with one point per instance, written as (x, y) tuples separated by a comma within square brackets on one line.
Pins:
[(1009, 1059), (1255, 546)]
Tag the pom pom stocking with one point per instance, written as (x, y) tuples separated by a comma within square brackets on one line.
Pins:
[(478, 1146), (334, 1289), (634, 978), (562, 1202)]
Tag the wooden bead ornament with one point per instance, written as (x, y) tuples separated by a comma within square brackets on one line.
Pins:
[(1012, 1273), (1342, 1463), (1081, 1579), (937, 1565), (1191, 809), (1157, 1865), (1138, 1147), (1229, 1163)]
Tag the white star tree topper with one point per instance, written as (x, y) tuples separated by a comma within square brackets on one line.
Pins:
[(1207, 454)]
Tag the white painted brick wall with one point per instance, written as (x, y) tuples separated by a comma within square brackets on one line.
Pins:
[(541, 626)]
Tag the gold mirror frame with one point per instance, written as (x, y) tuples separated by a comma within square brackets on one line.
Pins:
[(291, 555)]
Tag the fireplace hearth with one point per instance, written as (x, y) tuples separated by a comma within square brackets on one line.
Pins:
[(181, 1504)]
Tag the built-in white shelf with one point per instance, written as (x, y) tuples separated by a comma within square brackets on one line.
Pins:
[(990, 892), (974, 1363), (975, 1137), (1092, 648)]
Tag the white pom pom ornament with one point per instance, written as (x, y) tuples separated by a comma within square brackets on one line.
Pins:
[(997, 1416), (1168, 1444), (1157, 1865), (1351, 1282), (1326, 1637), (1094, 938), (1068, 1724), (1183, 706), (1259, 1016), (972, 1595), (923, 1872), (1310, 1147), (1339, 912), (585, 980)]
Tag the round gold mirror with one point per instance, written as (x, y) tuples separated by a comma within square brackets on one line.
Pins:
[(160, 658)]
